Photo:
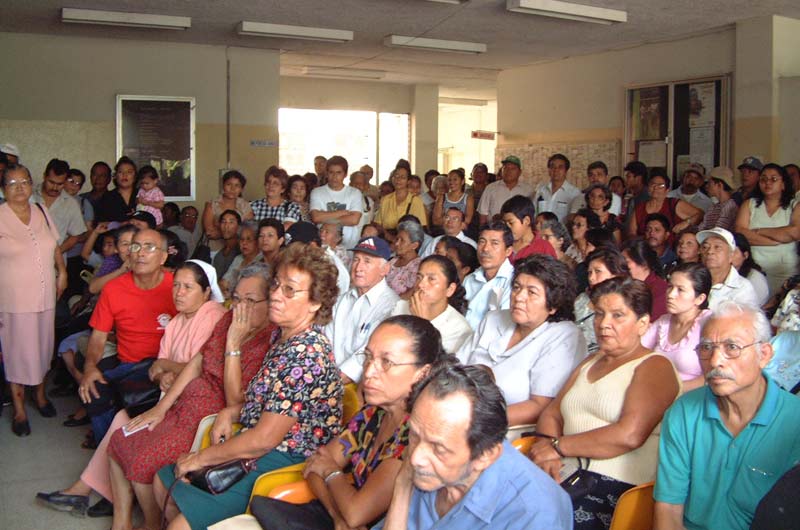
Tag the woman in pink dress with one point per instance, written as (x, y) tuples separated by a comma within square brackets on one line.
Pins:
[(403, 268), (34, 276)]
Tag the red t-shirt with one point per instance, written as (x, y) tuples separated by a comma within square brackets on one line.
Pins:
[(139, 316), (658, 288), (537, 246)]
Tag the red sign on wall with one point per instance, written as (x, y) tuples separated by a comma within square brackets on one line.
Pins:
[(483, 135)]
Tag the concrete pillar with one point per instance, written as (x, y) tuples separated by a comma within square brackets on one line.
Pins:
[(425, 128)]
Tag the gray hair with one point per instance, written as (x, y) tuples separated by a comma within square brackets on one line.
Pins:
[(559, 230), (338, 225), (257, 269), (436, 180), (730, 308), (247, 225), (414, 230)]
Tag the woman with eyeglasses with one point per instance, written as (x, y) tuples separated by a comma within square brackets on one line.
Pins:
[(353, 475), (34, 277), (250, 252), (770, 220), (680, 213), (291, 406)]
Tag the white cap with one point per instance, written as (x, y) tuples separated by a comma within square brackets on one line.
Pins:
[(717, 232), (211, 274), (10, 149)]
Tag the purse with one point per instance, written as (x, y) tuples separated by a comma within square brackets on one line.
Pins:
[(217, 479), (202, 251), (580, 482)]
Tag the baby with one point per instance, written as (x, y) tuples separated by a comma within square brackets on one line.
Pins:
[(150, 197)]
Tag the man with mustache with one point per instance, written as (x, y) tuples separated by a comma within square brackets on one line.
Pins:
[(489, 286), (723, 446)]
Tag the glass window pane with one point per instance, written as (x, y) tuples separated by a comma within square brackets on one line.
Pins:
[(394, 143)]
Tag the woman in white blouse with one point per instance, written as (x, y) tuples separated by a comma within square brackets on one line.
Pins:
[(532, 347), (439, 297)]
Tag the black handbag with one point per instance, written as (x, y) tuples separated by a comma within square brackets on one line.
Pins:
[(137, 393), (217, 479), (202, 251)]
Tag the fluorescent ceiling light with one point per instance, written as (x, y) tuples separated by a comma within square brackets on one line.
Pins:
[(118, 18), (262, 29), (349, 73), (570, 11), (463, 101), (402, 41), (456, 2)]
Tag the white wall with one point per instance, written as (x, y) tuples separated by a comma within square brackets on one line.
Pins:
[(789, 114), (456, 146)]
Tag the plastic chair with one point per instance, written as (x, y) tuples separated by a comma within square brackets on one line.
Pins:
[(272, 479), (295, 492), (351, 403), (202, 438), (523, 445), (634, 509)]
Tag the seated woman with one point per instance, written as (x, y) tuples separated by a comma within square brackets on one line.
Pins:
[(603, 263), (532, 347), (687, 248), (331, 234), (399, 353), (610, 409), (555, 233), (250, 253), (583, 220), (403, 268), (747, 267), (645, 266), (196, 298), (298, 193), (681, 214), (271, 236), (677, 333), (439, 298), (292, 405), (463, 255), (598, 199)]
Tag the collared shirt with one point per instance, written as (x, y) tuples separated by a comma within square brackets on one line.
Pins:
[(718, 478), (343, 275), (580, 202), (497, 193), (354, 319), (557, 202), (430, 248), (285, 212), (512, 493), (538, 365), (487, 295), (66, 213), (452, 325), (698, 198), (668, 257), (733, 288), (722, 215)]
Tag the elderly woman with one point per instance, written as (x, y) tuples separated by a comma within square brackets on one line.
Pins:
[(34, 276), (250, 252), (555, 233), (681, 214), (645, 266), (399, 202), (770, 220), (299, 194), (602, 264), (610, 408), (233, 184), (274, 205), (532, 347), (353, 476), (197, 300), (403, 267), (687, 248), (583, 221), (291, 407), (331, 234), (598, 200), (677, 333), (454, 197), (438, 297)]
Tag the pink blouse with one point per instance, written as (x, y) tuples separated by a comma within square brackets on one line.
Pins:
[(401, 279), (681, 354), (184, 337)]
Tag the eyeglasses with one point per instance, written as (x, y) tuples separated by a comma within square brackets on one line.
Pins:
[(74, 181), (18, 183), (773, 179), (657, 186), (730, 350), (381, 364), (236, 300), (287, 290), (189, 215), (149, 248)]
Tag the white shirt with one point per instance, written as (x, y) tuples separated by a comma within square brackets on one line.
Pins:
[(454, 328), (760, 286), (66, 213), (431, 247), (538, 365), (348, 198), (559, 202), (497, 193), (354, 319), (698, 199), (580, 202), (733, 288), (487, 295), (343, 278)]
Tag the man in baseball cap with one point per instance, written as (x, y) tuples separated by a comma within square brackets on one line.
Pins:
[(692, 181), (716, 251), (498, 192), (750, 170)]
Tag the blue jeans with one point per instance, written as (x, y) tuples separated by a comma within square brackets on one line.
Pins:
[(102, 410)]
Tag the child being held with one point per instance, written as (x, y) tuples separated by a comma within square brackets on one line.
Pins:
[(150, 197)]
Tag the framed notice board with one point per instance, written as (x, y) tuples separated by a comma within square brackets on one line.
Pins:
[(159, 132)]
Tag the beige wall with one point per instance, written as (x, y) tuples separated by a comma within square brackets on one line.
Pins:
[(789, 113)]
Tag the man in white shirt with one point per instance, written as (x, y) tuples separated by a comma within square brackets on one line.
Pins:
[(361, 308), (489, 287), (454, 226), (497, 193), (557, 195), (65, 210), (335, 201), (693, 179), (597, 173), (716, 251)]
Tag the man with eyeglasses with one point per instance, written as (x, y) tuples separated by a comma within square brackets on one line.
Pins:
[(723, 446), (454, 226), (716, 252), (137, 306)]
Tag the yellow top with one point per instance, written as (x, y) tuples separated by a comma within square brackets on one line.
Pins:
[(390, 211)]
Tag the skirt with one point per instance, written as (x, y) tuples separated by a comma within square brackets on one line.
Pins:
[(28, 340)]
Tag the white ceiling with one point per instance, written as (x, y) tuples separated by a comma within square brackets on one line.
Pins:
[(513, 39)]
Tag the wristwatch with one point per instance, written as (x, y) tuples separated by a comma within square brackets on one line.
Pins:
[(554, 442), (234, 353)]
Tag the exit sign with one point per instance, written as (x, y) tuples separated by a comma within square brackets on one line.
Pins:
[(483, 135)]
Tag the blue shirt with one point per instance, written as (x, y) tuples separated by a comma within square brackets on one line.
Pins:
[(512, 493), (720, 479), (484, 296)]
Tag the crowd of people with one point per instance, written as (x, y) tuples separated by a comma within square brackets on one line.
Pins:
[(624, 325)]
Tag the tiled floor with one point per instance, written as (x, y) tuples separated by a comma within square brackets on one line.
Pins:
[(50, 458)]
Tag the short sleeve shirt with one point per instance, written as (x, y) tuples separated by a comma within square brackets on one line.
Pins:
[(285, 212), (357, 441), (348, 198)]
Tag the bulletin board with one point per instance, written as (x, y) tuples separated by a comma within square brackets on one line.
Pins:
[(534, 159)]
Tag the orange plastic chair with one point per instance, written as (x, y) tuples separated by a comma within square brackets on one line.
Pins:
[(272, 479), (523, 445), (634, 509), (296, 492), (351, 403)]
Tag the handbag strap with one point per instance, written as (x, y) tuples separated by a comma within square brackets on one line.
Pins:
[(46, 220)]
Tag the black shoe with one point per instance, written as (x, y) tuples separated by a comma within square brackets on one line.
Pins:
[(20, 428), (47, 410), (72, 422), (103, 508), (77, 504)]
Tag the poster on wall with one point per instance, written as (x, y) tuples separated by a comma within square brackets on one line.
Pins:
[(652, 153), (702, 104), (649, 107), (701, 146), (159, 132)]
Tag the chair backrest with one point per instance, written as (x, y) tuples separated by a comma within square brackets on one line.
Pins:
[(634, 509), (523, 445), (269, 481), (350, 402), (202, 438), (296, 492)]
